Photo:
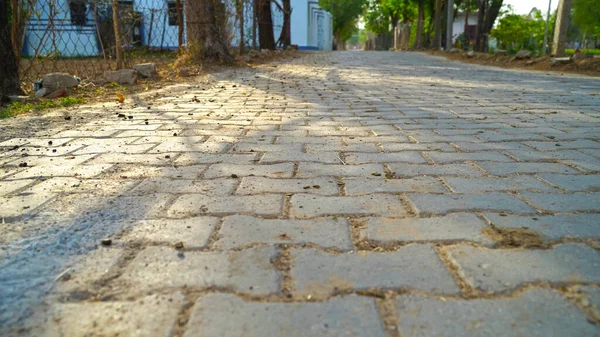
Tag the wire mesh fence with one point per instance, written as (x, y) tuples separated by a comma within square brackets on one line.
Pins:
[(78, 36)]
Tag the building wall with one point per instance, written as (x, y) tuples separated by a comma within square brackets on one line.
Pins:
[(458, 27), (64, 39)]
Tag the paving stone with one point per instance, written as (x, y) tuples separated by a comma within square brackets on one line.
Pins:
[(441, 204), (152, 316), (573, 182), (184, 146), (284, 170), (407, 170), (239, 231), (192, 232), (89, 269), (538, 312), (310, 170), (554, 227), (479, 185), (247, 271), (564, 202), (398, 147), (308, 206), (250, 147), (395, 157), (504, 169), (445, 158), (316, 148), (258, 185), (229, 315), (494, 270), (592, 295), (81, 171), (417, 184), (18, 205), (319, 273), (456, 226), (553, 146), (10, 186), (469, 147), (194, 204), (322, 157), (165, 185), (89, 186), (138, 172), (139, 159)]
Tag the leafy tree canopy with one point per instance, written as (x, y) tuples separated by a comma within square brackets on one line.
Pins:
[(345, 15), (586, 13)]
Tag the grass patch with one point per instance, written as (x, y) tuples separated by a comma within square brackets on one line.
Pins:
[(17, 108), (583, 51)]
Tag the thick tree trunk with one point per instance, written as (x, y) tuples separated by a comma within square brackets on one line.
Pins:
[(561, 27), (437, 40), (480, 37), (285, 38), (207, 31), (240, 14), (9, 71), (420, 24), (17, 29), (265, 25)]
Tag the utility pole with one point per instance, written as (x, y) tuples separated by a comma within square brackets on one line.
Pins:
[(562, 25), (545, 49), (449, 24)]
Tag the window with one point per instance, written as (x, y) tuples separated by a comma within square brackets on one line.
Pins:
[(172, 12), (78, 11)]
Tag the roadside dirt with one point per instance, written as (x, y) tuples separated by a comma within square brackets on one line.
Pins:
[(590, 66)]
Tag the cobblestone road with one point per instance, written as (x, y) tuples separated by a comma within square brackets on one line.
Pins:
[(341, 194)]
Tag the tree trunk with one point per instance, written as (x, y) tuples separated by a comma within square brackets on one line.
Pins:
[(118, 45), (449, 23), (286, 31), (420, 23), (9, 72), (466, 30), (207, 31), (480, 26), (265, 25), (437, 40), (240, 14), (17, 29), (561, 27)]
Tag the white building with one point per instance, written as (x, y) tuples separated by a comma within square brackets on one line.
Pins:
[(311, 26), (459, 26)]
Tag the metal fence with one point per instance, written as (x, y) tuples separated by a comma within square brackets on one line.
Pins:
[(78, 36)]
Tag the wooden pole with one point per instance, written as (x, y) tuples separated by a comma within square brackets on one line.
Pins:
[(180, 23)]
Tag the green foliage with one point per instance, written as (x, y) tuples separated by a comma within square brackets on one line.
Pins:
[(586, 13), (515, 32), (345, 15), (17, 108), (583, 51)]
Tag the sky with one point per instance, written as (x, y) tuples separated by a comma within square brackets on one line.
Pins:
[(524, 6)]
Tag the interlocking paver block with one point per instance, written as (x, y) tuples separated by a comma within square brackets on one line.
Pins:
[(504, 169), (479, 185), (192, 232), (193, 204), (538, 312), (208, 187), (456, 226), (308, 206), (407, 170), (319, 273), (248, 271), (417, 184), (494, 270), (228, 315), (258, 185), (152, 316), (441, 204), (552, 226), (283, 170), (394, 157), (564, 202), (573, 183), (445, 158), (240, 230), (309, 170)]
